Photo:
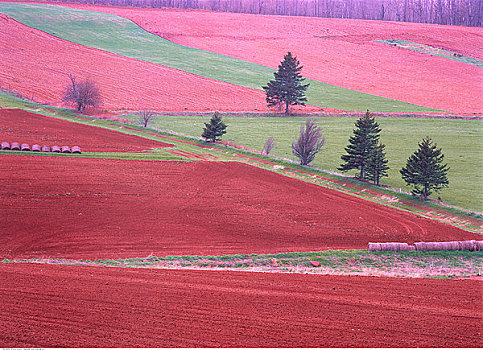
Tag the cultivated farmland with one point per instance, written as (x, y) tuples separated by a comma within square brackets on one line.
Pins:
[(152, 238), (114, 34), (342, 53)]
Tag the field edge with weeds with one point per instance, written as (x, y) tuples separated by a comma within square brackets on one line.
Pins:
[(413, 264)]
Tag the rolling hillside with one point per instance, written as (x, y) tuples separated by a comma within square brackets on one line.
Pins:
[(115, 34)]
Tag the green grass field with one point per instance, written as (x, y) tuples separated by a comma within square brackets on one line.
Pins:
[(460, 140), (120, 36)]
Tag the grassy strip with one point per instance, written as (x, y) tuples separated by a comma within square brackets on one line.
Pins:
[(433, 51), (441, 264), (120, 36), (156, 154), (460, 140)]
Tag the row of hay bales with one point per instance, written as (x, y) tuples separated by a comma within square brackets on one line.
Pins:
[(472, 246), (15, 146)]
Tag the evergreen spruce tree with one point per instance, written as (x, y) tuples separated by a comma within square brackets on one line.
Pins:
[(424, 170), (214, 129), (376, 166), (287, 88), (361, 144)]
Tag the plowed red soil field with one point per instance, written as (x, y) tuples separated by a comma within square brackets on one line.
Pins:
[(341, 52), (72, 306), (24, 127), (100, 208), (36, 65)]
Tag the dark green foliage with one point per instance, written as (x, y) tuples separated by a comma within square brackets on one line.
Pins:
[(309, 142), (376, 166), (424, 170), (361, 144), (214, 129), (287, 88)]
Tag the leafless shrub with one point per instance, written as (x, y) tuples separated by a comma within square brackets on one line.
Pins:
[(310, 142), (145, 117), (82, 94), (268, 146)]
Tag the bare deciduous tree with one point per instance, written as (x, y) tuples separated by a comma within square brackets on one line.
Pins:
[(310, 142), (145, 117), (82, 94), (268, 146)]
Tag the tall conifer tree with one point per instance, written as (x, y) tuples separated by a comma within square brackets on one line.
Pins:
[(376, 166), (361, 145), (214, 129), (287, 88), (424, 169)]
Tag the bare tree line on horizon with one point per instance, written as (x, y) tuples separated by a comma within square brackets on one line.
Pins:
[(450, 12)]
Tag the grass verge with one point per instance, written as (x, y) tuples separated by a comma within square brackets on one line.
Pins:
[(441, 264)]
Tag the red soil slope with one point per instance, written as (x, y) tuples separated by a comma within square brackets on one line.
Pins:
[(72, 306), (36, 64), (97, 208), (335, 51), (24, 127)]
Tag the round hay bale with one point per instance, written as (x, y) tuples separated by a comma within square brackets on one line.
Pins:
[(46, 148), (374, 247), (5, 146), (403, 247), (420, 246), (56, 149), (412, 248), (36, 148), (66, 149), (76, 149), (479, 246), (15, 146), (25, 147), (392, 247), (446, 245), (467, 245)]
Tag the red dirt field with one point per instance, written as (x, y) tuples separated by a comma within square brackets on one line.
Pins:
[(341, 52), (124, 83), (98, 208), (17, 125), (72, 306)]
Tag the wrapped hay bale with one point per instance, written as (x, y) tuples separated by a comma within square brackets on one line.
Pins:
[(56, 149), (5, 146), (448, 246), (374, 247), (392, 247), (403, 247), (76, 149), (15, 146), (36, 148), (412, 248), (66, 149), (467, 245), (25, 147), (45, 148), (420, 246), (479, 246)]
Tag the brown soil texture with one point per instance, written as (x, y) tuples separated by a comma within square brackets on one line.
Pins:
[(72, 306), (100, 208), (24, 127), (342, 52)]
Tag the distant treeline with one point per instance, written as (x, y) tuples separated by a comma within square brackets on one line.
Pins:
[(453, 12)]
